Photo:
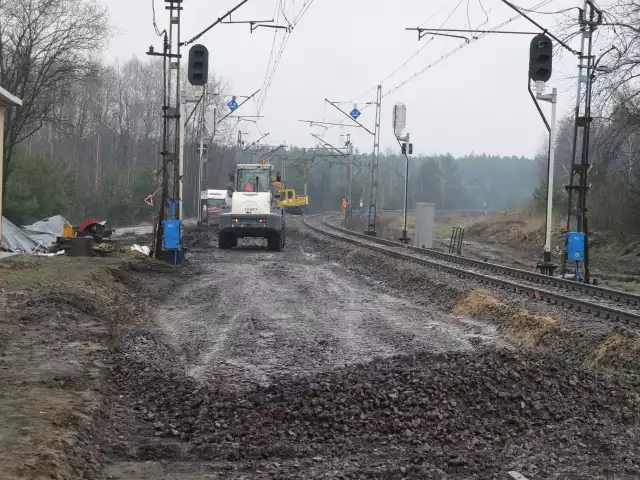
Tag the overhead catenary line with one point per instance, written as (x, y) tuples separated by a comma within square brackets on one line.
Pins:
[(155, 25), (406, 62), (283, 46), (443, 57), (219, 20), (414, 55), (456, 50)]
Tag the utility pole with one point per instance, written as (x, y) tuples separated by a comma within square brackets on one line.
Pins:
[(179, 125), (373, 193), (168, 233), (589, 17), (170, 230), (373, 196), (201, 148), (180, 173), (349, 179), (165, 156)]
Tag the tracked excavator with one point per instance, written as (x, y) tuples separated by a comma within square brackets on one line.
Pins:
[(255, 211)]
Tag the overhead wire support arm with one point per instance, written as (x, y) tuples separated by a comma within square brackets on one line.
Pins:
[(217, 22), (254, 24), (348, 116), (326, 145), (248, 118), (330, 148), (288, 28), (423, 32), (314, 122), (254, 143), (544, 30), (266, 155), (242, 103), (250, 22)]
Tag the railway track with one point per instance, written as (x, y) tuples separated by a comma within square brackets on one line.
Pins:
[(599, 301)]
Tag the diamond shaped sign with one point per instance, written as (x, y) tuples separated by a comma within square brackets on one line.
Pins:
[(232, 104), (355, 113)]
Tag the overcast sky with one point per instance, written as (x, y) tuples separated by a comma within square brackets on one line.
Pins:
[(475, 100)]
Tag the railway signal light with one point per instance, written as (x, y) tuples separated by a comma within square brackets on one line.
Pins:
[(410, 148), (404, 148), (198, 66), (540, 58)]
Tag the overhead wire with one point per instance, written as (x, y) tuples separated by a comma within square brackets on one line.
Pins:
[(448, 54), (416, 53), (155, 25), (406, 62), (486, 20), (284, 14), (457, 49), (276, 16), (564, 10), (280, 54), (276, 13)]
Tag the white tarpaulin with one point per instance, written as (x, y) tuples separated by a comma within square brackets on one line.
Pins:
[(45, 231), (15, 240), (53, 225)]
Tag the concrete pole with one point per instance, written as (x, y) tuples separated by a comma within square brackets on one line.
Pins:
[(552, 143), (201, 154), (180, 179)]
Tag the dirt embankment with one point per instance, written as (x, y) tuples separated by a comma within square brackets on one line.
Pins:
[(59, 318), (517, 238), (612, 253)]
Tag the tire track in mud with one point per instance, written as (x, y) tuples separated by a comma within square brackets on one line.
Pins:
[(254, 316)]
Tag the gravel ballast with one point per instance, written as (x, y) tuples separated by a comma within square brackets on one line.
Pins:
[(281, 375), (454, 415)]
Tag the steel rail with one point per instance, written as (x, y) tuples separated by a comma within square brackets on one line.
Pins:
[(562, 283), (604, 311)]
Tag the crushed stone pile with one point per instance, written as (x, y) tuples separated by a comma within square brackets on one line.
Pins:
[(453, 415)]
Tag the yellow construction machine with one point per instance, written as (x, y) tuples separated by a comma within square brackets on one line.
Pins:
[(289, 200)]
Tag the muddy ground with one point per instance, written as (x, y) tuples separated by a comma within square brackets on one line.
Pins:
[(322, 361), (59, 320)]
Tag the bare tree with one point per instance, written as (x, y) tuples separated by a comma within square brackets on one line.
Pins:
[(46, 46)]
